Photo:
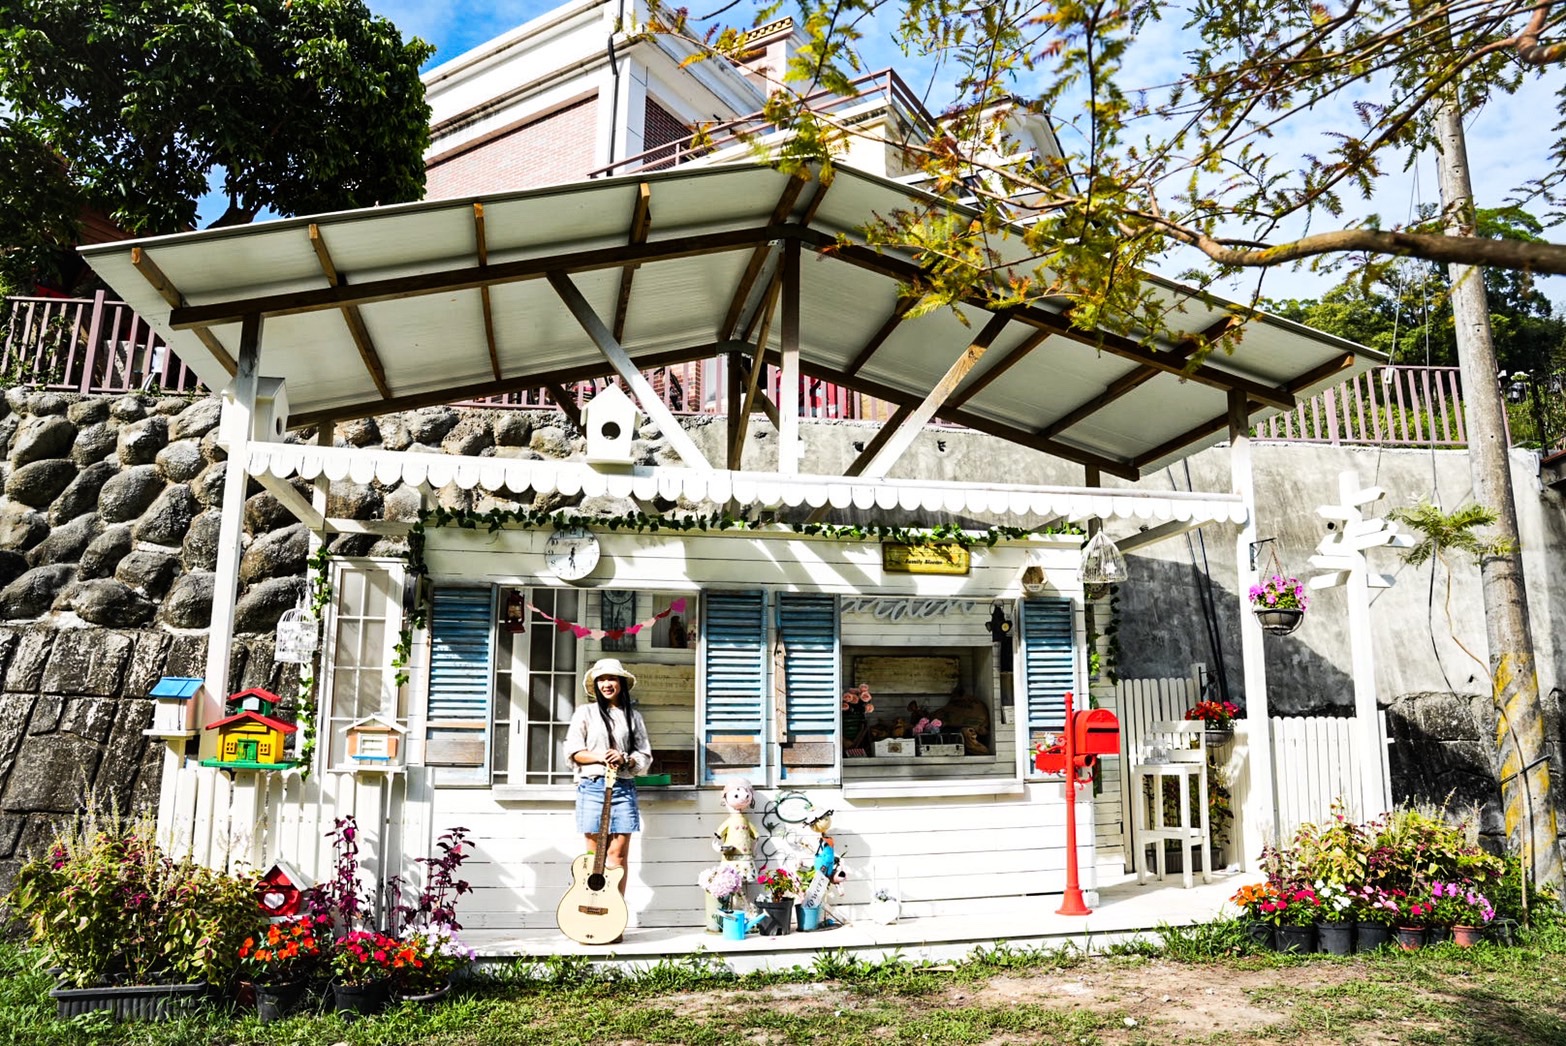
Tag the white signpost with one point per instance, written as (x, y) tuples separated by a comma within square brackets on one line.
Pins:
[(1342, 553)]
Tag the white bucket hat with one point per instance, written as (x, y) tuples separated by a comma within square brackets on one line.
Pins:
[(606, 666)]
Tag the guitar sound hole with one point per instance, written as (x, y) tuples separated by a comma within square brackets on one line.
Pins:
[(596, 882)]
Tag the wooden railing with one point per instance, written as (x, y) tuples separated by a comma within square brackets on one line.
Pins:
[(1388, 406), (88, 345)]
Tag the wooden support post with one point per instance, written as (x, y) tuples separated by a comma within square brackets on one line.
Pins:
[(788, 384), (1260, 815), (239, 408)]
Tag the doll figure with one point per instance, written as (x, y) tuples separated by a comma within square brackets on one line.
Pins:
[(828, 872), (735, 839)]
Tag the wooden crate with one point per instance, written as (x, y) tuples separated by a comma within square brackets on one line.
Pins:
[(896, 746)]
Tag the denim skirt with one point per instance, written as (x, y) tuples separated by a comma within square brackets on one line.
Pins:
[(624, 815)]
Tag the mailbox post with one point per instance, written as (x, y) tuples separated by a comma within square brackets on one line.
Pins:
[(1090, 734)]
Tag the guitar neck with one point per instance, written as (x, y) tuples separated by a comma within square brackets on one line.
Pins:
[(601, 851)]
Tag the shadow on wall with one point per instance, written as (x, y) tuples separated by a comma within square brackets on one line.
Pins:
[(1164, 630)]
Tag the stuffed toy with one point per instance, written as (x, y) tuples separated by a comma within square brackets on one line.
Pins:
[(735, 839)]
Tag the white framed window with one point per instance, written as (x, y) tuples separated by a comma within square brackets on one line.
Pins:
[(366, 618)]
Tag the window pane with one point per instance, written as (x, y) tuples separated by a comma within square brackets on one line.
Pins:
[(539, 699), (539, 644), (374, 644), (349, 635), (538, 749), (565, 697), (351, 601)]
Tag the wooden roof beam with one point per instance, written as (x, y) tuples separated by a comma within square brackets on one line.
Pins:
[(563, 377), (1022, 437), (758, 257), (471, 277), (361, 336), (566, 402), (150, 272), (911, 425), (1011, 359), (652, 404), (892, 322), (481, 248), (641, 224), (1113, 344)]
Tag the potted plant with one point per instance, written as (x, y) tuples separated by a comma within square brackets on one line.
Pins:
[(1374, 912), (1462, 908), (130, 930), (1298, 909), (1409, 924), (1279, 604), (1217, 717), (361, 964), (1334, 919), (806, 916), (1259, 908), (722, 883), (779, 887), (424, 967), (279, 962), (856, 706), (885, 907)]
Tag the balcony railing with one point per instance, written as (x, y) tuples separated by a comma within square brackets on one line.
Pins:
[(99, 346), (884, 90)]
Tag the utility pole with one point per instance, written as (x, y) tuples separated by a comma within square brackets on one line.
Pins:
[(1522, 761)]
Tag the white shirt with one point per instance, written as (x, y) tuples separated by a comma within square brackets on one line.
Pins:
[(587, 733)]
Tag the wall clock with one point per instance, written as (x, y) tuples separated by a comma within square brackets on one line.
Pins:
[(571, 554)]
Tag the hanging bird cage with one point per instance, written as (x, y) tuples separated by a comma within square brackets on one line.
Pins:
[(297, 637), (1102, 562)]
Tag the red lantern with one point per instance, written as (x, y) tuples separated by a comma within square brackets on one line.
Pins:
[(514, 616)]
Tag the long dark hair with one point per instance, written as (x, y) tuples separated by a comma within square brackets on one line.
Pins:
[(625, 706)]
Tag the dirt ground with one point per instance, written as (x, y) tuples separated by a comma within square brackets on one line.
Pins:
[(1317, 1004)]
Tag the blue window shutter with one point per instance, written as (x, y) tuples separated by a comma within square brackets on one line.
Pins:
[(462, 624), (1049, 653), (735, 671), (807, 627)]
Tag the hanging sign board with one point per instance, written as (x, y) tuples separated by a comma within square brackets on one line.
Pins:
[(948, 558)]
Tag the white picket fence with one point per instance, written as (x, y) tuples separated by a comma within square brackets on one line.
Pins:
[(1314, 764), (249, 820)]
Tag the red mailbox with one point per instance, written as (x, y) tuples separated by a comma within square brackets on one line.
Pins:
[(1097, 732)]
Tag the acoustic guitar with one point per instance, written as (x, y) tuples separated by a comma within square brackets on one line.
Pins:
[(592, 910)]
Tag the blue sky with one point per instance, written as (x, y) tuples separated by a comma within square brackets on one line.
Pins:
[(1507, 142)]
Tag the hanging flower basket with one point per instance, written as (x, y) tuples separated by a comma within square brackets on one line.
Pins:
[(1279, 622), (1279, 603)]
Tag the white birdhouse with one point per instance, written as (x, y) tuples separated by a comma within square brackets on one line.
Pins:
[(269, 421), (173, 697), (610, 420), (374, 743)]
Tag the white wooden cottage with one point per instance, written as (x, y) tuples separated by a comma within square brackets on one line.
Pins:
[(347, 315)]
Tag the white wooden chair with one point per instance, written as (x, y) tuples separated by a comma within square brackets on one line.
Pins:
[(1176, 749)]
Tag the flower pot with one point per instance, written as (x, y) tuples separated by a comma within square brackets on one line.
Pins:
[(276, 1001), (1370, 937), (1260, 934), (778, 917), (366, 998), (885, 910), (149, 1002), (428, 998), (1335, 938), (1300, 940), (714, 913), (1279, 622), (1467, 936), (808, 917), (1410, 938), (1218, 736), (1438, 935)]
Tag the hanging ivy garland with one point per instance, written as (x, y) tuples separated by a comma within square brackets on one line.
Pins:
[(305, 704)]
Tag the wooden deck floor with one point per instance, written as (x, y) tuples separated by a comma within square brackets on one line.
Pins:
[(1123, 911)]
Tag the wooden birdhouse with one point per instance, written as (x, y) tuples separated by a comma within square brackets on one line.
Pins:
[(281, 891), (374, 742), (610, 421), (248, 737), (174, 698)]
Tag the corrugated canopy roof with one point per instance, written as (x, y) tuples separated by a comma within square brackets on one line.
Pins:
[(391, 308)]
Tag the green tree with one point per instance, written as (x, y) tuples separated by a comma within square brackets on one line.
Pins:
[(131, 107)]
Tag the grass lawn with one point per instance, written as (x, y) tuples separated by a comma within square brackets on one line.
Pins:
[(1201, 985)]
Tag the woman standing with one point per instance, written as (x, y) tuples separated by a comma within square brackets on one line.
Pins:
[(604, 733)]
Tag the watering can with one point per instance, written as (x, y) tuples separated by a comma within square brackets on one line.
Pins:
[(737, 924)]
